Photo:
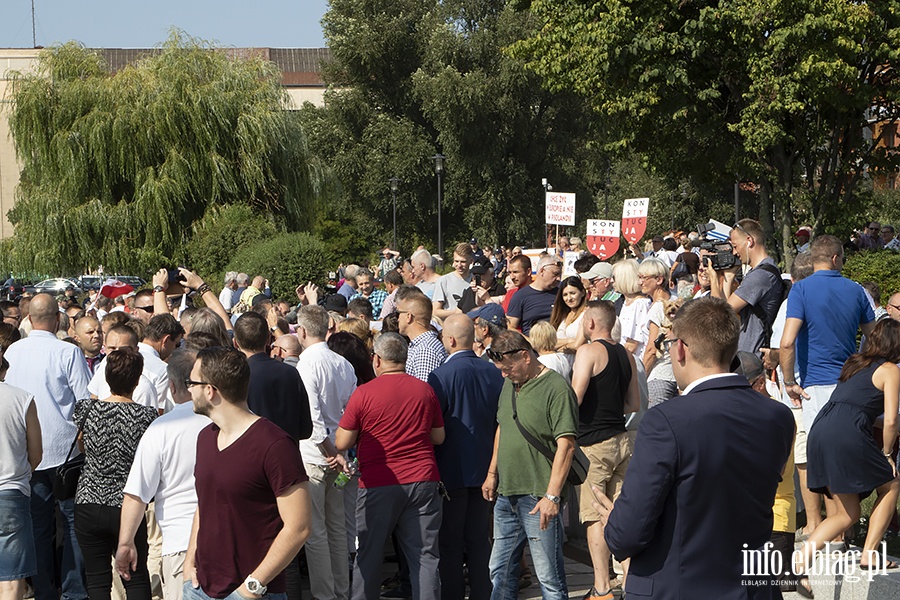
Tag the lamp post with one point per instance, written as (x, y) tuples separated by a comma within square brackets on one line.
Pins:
[(394, 183), (439, 171)]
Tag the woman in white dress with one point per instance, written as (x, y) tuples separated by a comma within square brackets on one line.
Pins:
[(567, 314), (543, 340), (635, 312)]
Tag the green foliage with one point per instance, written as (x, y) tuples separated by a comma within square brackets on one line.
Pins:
[(117, 167), (286, 260), (218, 236), (778, 92), (411, 79), (880, 266)]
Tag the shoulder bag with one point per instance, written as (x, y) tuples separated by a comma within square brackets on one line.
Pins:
[(580, 463), (65, 481)]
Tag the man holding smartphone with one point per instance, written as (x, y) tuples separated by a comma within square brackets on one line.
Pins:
[(483, 288)]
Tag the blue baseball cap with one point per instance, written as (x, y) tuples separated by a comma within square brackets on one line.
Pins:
[(492, 313)]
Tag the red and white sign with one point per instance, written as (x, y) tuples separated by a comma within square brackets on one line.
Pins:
[(559, 208), (634, 219), (602, 238)]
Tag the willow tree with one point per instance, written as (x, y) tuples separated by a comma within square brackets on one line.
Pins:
[(118, 166)]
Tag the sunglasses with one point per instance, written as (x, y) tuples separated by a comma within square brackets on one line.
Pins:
[(499, 356), (188, 383), (148, 309)]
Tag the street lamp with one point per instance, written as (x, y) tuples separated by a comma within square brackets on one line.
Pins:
[(439, 171), (394, 181)]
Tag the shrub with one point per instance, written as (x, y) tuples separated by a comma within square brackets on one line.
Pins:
[(286, 260), (880, 266)]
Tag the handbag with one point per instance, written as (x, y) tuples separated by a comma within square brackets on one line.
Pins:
[(65, 481), (580, 462)]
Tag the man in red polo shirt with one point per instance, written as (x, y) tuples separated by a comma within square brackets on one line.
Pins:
[(395, 420)]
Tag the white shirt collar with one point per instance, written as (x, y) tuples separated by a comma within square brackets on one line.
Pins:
[(697, 382)]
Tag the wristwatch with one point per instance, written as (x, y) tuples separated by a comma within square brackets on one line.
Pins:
[(255, 586), (552, 498), (158, 288)]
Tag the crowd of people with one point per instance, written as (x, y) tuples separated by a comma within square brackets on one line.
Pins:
[(152, 448)]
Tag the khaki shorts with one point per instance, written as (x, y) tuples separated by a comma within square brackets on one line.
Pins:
[(800, 438), (609, 461)]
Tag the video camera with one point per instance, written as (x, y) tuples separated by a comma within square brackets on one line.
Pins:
[(722, 251)]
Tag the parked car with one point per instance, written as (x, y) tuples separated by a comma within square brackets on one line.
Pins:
[(54, 286), (12, 289), (135, 282), (90, 282)]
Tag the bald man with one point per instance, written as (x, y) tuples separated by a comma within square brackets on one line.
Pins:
[(893, 306), (89, 337), (56, 373), (468, 390), (286, 349)]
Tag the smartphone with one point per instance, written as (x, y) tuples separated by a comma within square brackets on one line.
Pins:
[(478, 280)]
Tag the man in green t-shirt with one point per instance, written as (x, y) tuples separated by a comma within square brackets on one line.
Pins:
[(526, 486)]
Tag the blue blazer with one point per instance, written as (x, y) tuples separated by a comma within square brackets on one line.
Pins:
[(468, 390), (699, 490)]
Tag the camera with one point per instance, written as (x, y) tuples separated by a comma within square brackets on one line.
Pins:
[(722, 251)]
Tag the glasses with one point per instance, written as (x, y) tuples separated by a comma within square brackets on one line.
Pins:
[(894, 306), (873, 229), (148, 309), (499, 356), (188, 383), (666, 344)]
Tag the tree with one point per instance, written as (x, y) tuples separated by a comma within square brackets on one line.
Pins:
[(776, 92), (412, 79), (117, 167)]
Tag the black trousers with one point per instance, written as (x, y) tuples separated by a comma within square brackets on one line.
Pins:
[(465, 529), (97, 531)]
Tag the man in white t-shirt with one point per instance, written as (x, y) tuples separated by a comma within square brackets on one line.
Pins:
[(145, 393), (163, 468), (451, 286)]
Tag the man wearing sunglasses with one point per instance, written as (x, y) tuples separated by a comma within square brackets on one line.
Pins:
[(527, 487), (534, 302), (870, 239)]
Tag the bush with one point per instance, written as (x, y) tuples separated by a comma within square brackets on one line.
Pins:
[(220, 235), (286, 260), (880, 266)]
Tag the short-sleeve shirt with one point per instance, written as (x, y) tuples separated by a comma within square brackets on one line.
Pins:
[(468, 301), (449, 290), (832, 308), (394, 415), (760, 288), (548, 409), (237, 488), (530, 306), (111, 434), (662, 368)]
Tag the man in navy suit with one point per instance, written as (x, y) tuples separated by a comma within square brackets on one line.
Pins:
[(468, 390), (699, 490)]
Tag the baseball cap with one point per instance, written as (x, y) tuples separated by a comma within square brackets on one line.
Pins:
[(657, 238), (747, 364), (802, 231), (492, 313), (602, 270), (336, 302), (473, 241)]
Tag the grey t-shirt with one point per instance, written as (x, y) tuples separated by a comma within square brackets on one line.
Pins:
[(15, 471), (763, 289), (449, 290)]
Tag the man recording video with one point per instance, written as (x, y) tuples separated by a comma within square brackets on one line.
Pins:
[(757, 299)]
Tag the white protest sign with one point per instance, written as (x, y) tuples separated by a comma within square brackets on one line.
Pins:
[(559, 208)]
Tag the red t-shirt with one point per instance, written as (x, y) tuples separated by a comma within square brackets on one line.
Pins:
[(236, 492), (508, 297), (394, 415)]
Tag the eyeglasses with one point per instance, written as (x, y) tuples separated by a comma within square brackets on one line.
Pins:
[(873, 228), (666, 344), (188, 383), (499, 356), (894, 306), (148, 309)]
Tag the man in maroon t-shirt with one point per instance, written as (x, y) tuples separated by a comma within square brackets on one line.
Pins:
[(395, 421), (252, 503)]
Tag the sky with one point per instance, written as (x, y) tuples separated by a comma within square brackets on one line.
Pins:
[(130, 24)]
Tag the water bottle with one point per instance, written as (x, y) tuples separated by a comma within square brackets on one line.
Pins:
[(343, 477)]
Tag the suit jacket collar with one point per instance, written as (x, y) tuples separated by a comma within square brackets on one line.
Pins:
[(731, 381)]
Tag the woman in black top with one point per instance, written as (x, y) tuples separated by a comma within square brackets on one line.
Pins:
[(843, 459), (110, 436)]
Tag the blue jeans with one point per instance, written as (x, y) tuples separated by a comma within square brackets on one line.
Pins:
[(43, 518), (191, 593), (17, 560), (512, 527)]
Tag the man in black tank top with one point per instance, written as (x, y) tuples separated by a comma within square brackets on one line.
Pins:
[(604, 378)]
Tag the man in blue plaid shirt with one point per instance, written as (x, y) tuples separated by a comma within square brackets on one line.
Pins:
[(426, 352)]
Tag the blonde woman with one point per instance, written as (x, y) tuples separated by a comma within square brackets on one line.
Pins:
[(359, 328), (634, 315), (543, 340), (653, 275)]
